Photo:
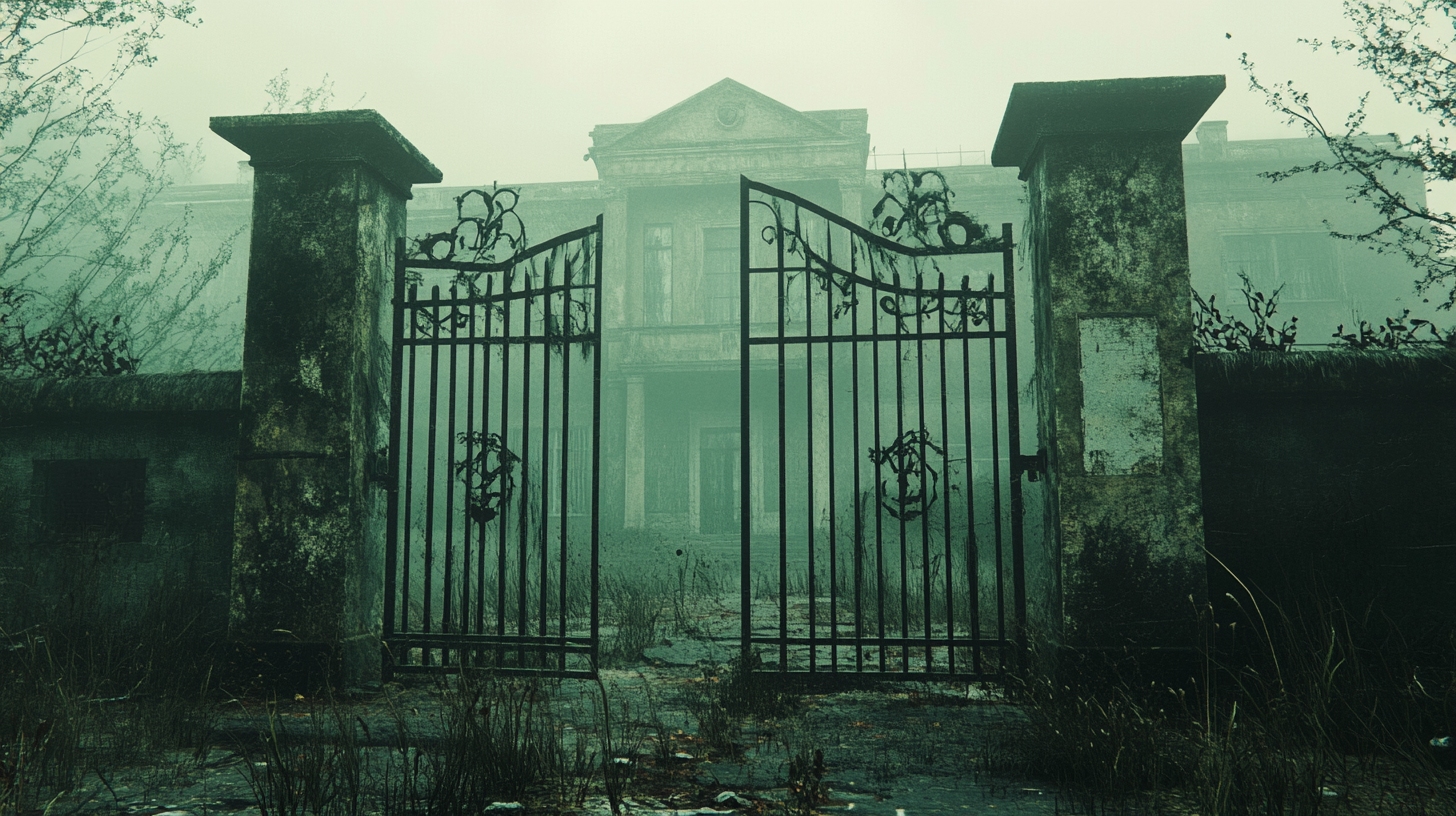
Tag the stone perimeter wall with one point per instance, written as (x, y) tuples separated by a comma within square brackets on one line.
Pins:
[(185, 428), (1337, 462)]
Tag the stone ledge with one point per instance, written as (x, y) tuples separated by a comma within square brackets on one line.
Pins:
[(353, 135), (1037, 110), (54, 397)]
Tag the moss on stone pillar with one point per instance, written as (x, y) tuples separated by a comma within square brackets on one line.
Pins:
[(328, 205), (1108, 250)]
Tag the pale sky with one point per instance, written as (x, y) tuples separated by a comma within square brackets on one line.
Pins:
[(510, 91)]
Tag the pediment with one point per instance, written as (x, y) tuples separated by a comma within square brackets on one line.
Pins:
[(726, 112)]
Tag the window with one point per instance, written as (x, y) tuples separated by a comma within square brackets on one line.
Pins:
[(90, 498), (1301, 262), (720, 275), (657, 275)]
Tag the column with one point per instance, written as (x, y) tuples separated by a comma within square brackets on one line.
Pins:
[(636, 464), (851, 199), (614, 257), (1108, 252), (329, 192)]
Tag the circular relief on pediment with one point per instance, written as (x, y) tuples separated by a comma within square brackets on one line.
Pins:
[(729, 116)]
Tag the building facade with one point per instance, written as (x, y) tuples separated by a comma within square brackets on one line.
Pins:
[(668, 190)]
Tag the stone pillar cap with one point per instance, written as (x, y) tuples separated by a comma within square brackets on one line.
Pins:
[(351, 135), (1036, 110)]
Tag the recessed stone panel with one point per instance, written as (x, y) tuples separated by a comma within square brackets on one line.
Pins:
[(1122, 407)]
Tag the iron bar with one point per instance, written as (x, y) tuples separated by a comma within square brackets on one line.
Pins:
[(745, 515), (432, 464), (544, 479), (996, 486), (829, 405), (945, 504), (879, 479), (504, 515), (598, 351), (465, 561), (484, 428), (922, 459), (408, 470), (523, 521), (854, 458), (1013, 421), (899, 486), (391, 523), (447, 605), (800, 339), (809, 483), (564, 498), (973, 564), (783, 469)]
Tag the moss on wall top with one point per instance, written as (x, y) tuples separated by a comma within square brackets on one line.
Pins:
[(25, 399), (1332, 371)]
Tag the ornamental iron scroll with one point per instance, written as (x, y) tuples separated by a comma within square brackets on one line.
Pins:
[(911, 496), (540, 277), (487, 487), (924, 209), (475, 238), (966, 309)]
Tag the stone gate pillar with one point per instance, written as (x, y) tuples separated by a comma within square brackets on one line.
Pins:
[(1107, 247), (329, 192)]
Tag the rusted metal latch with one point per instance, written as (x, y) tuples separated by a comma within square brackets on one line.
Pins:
[(376, 465), (1032, 464)]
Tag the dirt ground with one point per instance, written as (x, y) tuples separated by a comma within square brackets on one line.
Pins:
[(898, 749)]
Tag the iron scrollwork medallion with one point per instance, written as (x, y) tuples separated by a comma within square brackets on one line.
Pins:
[(916, 484), (487, 486)]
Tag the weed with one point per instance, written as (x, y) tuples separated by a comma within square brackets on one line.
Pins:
[(634, 606), (1304, 708), (87, 688), (807, 788), (314, 772)]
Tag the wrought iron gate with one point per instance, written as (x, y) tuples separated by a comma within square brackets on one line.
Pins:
[(881, 500), (491, 556)]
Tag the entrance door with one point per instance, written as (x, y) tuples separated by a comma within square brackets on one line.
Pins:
[(718, 480)]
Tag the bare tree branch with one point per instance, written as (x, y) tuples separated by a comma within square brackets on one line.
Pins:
[(1391, 42)]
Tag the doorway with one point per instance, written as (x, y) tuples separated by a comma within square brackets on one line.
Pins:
[(718, 480)]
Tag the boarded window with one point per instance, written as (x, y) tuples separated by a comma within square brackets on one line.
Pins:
[(91, 499), (657, 275)]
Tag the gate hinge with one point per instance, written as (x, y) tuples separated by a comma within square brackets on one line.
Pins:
[(376, 465), (1032, 464)]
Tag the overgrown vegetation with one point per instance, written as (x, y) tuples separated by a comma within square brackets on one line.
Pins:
[(1215, 331), (1408, 47), (89, 286), (1314, 708), (88, 691)]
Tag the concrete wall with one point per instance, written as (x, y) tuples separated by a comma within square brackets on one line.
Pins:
[(184, 428), (1336, 466)]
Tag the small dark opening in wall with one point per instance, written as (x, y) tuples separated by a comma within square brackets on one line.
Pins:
[(91, 499)]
